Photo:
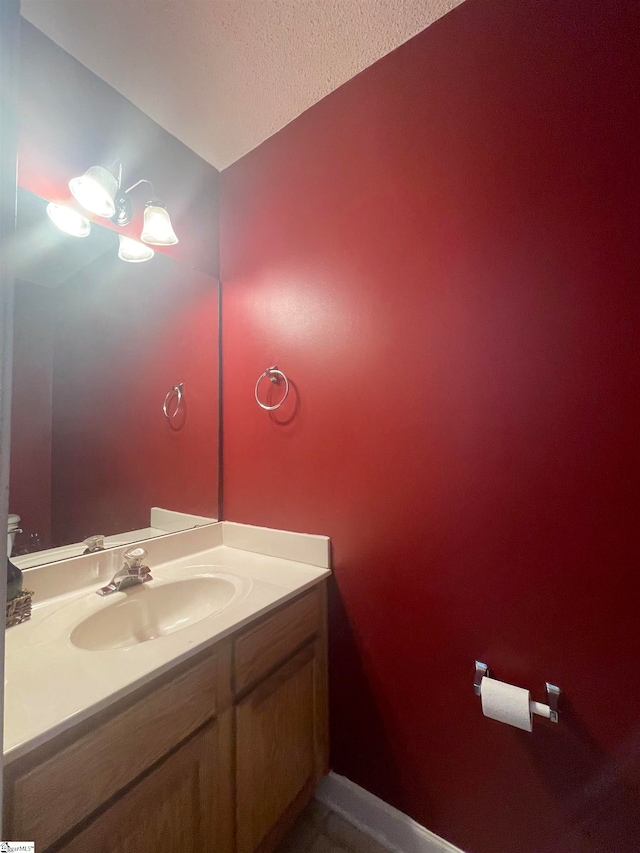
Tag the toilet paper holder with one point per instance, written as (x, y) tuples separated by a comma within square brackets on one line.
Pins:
[(553, 694)]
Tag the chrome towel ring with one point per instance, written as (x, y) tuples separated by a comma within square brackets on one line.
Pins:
[(177, 391), (274, 375)]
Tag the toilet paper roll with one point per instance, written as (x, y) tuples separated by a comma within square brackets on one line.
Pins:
[(506, 703)]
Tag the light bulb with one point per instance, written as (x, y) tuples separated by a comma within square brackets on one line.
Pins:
[(133, 251), (96, 191), (68, 220), (157, 228)]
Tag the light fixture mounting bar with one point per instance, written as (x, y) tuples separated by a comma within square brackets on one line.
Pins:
[(142, 181)]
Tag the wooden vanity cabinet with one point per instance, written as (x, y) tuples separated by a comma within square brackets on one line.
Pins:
[(219, 754)]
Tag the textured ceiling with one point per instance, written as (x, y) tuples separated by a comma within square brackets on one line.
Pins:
[(223, 75)]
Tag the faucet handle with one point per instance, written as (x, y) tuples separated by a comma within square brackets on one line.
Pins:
[(133, 558), (94, 543)]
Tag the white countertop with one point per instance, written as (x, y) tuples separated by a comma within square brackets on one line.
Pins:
[(51, 684)]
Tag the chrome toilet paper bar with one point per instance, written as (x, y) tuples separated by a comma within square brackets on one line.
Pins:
[(550, 711)]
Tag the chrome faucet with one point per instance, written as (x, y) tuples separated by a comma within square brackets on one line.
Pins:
[(94, 544), (131, 574)]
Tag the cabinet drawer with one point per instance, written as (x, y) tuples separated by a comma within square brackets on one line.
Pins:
[(50, 799), (263, 647)]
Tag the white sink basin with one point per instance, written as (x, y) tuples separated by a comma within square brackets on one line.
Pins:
[(146, 612)]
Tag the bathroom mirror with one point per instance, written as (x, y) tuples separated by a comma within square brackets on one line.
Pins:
[(114, 427)]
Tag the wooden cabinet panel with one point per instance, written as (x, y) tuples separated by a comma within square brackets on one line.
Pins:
[(173, 808), (321, 709), (263, 647), (275, 748), (78, 779)]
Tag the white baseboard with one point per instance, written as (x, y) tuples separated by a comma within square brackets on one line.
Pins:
[(373, 816)]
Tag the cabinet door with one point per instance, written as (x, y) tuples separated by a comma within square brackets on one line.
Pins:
[(276, 749), (173, 808)]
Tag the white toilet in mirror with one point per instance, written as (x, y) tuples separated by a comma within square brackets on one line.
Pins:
[(13, 528)]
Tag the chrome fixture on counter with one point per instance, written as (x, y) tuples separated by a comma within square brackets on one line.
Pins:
[(94, 544), (274, 375), (132, 573)]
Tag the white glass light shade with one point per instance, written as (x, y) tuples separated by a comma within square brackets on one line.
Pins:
[(68, 220), (133, 251), (157, 229), (96, 191)]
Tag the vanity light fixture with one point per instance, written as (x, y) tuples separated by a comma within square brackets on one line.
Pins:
[(96, 191), (100, 191), (157, 230), (133, 251), (68, 220)]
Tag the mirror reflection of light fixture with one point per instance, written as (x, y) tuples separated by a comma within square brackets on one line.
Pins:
[(133, 251), (100, 191), (68, 220), (96, 191), (157, 230)]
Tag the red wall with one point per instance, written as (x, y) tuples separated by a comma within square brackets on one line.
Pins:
[(124, 334), (31, 410), (70, 119), (443, 255)]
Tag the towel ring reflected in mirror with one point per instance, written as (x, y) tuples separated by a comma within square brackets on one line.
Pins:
[(175, 390), (275, 376)]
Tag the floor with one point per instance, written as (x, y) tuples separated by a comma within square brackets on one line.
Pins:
[(319, 830)]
